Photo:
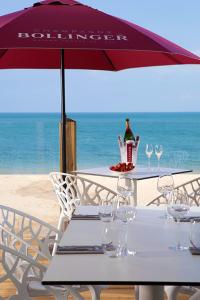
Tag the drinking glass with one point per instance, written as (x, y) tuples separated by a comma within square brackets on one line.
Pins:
[(116, 240), (165, 185), (158, 153), (195, 235), (149, 151), (126, 214), (106, 214), (178, 207), (106, 211)]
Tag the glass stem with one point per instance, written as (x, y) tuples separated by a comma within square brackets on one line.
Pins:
[(103, 234), (178, 227), (166, 204), (124, 249), (158, 164), (149, 163)]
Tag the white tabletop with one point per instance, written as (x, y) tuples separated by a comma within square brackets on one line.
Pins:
[(154, 262), (138, 173)]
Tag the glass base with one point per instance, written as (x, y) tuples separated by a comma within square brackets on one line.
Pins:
[(166, 217), (127, 252), (179, 248)]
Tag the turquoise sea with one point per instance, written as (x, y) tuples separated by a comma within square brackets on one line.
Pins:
[(29, 142)]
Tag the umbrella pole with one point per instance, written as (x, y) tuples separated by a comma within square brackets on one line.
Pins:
[(63, 113)]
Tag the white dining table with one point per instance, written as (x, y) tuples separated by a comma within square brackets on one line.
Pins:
[(139, 173), (154, 265)]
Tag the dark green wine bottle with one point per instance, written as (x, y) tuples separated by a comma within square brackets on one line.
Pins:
[(128, 133)]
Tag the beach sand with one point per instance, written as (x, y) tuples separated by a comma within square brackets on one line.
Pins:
[(33, 194)]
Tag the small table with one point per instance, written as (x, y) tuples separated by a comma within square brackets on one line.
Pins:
[(139, 173), (152, 267)]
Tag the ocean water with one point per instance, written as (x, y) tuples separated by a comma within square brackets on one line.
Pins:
[(29, 142)]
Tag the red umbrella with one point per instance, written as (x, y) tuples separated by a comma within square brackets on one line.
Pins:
[(69, 35)]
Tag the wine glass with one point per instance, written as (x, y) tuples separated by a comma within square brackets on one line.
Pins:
[(125, 212), (178, 207), (125, 187), (158, 153), (149, 151), (165, 185)]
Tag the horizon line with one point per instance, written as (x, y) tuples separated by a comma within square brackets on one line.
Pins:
[(94, 112)]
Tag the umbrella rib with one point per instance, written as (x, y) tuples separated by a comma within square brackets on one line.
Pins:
[(4, 51), (172, 58), (109, 60)]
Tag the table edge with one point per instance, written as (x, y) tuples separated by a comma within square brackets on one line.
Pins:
[(178, 283)]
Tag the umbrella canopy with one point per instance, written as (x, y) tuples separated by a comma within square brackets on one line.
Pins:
[(69, 35), (31, 38)]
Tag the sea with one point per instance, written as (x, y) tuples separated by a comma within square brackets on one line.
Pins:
[(29, 142)]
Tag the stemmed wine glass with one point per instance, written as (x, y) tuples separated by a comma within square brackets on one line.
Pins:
[(124, 187), (125, 213), (158, 153), (165, 185), (149, 152), (178, 207)]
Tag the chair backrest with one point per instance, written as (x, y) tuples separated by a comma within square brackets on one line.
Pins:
[(72, 190), (37, 233), (23, 265), (191, 188), (18, 266)]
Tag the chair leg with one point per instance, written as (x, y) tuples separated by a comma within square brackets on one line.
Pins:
[(60, 222), (172, 292), (136, 287), (95, 291), (60, 228)]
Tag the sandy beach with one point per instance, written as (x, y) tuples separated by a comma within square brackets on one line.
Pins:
[(34, 194)]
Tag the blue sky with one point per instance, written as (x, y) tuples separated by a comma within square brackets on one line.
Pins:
[(175, 88)]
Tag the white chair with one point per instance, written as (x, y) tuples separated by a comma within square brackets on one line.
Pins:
[(73, 190), (191, 188), (172, 292), (22, 266), (196, 296), (40, 236)]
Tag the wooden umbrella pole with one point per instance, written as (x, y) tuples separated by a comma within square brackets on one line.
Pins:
[(63, 114)]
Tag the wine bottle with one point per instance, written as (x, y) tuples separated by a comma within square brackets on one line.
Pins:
[(128, 133)]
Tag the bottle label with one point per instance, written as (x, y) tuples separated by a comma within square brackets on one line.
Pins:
[(129, 150)]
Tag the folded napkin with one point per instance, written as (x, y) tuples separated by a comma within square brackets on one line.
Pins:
[(83, 249), (85, 217), (190, 218), (194, 251)]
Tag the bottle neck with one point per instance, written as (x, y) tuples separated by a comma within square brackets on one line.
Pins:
[(127, 125)]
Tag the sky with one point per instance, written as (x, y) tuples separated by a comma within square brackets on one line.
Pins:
[(154, 89)]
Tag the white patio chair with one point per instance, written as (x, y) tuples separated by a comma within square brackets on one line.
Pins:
[(196, 296), (173, 292), (73, 190), (39, 234), (26, 271), (191, 188)]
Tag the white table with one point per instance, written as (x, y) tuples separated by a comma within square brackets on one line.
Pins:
[(153, 266), (139, 173)]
